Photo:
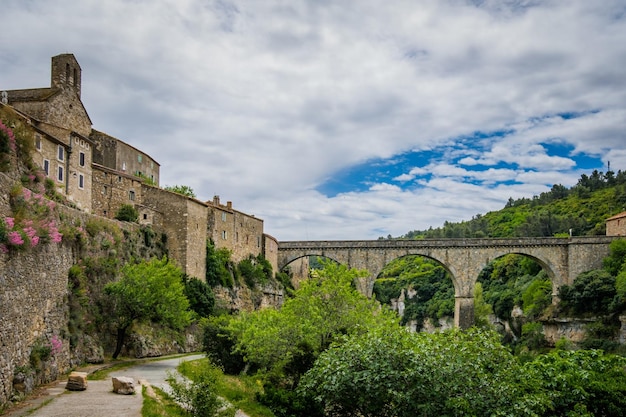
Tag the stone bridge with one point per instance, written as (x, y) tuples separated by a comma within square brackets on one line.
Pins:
[(562, 258)]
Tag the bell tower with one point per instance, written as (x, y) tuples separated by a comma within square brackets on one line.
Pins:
[(66, 73)]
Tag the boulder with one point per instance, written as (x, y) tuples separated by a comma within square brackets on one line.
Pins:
[(123, 385), (77, 381)]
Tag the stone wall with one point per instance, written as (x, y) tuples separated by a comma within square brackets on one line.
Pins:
[(112, 189), (185, 222), (33, 311)]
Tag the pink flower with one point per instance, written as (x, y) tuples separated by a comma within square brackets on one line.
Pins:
[(15, 239), (34, 241), (30, 232), (10, 222), (56, 345), (27, 193), (4, 249)]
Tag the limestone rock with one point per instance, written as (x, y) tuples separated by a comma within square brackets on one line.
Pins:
[(123, 385), (77, 381)]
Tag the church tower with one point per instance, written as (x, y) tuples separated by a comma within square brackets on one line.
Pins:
[(66, 73)]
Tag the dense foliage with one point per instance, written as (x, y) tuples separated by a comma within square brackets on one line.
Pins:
[(148, 290), (428, 288), (181, 189), (127, 213), (581, 209)]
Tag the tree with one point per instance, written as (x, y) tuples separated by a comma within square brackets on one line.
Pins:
[(127, 213), (325, 307), (200, 296), (394, 373), (591, 292), (149, 290), (181, 189)]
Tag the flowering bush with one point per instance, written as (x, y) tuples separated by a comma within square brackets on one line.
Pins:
[(31, 224)]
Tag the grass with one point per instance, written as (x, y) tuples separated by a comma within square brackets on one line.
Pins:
[(160, 406), (239, 390)]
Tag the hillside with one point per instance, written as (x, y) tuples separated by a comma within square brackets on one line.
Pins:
[(581, 209)]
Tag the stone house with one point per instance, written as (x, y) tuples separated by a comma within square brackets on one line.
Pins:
[(62, 127), (616, 225)]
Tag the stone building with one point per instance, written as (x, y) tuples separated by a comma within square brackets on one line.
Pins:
[(239, 232), (616, 225), (115, 154), (100, 173), (62, 126)]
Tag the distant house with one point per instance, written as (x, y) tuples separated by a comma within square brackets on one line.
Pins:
[(616, 225)]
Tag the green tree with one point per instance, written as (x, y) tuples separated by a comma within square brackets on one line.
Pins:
[(392, 372), (592, 292), (219, 266), (181, 189), (200, 296), (326, 306), (127, 213), (580, 383), (616, 261), (149, 290)]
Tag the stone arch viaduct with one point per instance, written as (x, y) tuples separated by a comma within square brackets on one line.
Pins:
[(562, 258)]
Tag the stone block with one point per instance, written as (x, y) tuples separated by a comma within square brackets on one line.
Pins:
[(77, 381), (123, 385)]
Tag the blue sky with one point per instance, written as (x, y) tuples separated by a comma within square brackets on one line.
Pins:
[(344, 120)]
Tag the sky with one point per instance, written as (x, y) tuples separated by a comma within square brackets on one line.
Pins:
[(344, 119)]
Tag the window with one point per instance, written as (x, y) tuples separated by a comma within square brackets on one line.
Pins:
[(123, 166), (258, 241), (139, 158), (61, 153), (46, 167), (105, 190), (81, 181), (131, 195), (119, 178), (223, 216), (38, 142), (81, 159), (224, 235), (145, 216), (60, 174)]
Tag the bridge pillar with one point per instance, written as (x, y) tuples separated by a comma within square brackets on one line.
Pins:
[(463, 312)]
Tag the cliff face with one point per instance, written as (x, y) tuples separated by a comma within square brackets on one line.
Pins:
[(242, 298)]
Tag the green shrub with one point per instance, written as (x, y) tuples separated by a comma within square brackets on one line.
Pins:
[(199, 396), (127, 213)]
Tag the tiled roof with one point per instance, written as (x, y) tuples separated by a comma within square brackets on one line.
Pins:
[(617, 216)]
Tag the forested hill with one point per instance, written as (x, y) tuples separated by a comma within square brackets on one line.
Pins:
[(582, 209)]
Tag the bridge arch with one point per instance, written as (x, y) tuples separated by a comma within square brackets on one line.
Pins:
[(562, 258)]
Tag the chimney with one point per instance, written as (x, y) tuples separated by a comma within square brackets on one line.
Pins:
[(229, 205), (216, 200)]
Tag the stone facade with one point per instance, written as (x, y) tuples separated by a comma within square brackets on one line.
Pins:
[(616, 225), (239, 232), (184, 220), (111, 189), (115, 154)]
